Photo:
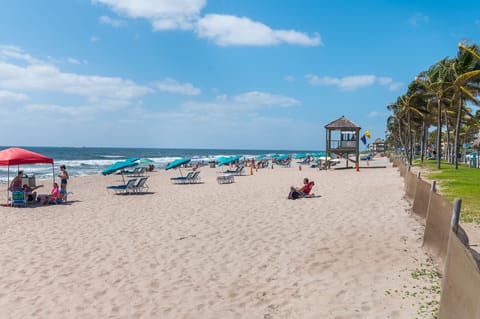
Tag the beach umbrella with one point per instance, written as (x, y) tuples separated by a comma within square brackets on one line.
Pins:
[(300, 155), (19, 156), (178, 163), (282, 157), (118, 166), (131, 159), (261, 156), (229, 160), (146, 160)]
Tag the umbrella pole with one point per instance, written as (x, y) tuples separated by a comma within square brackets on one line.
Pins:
[(8, 180), (53, 174)]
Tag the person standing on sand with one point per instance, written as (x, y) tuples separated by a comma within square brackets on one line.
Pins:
[(63, 179)]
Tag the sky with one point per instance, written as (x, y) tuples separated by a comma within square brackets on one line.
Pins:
[(214, 73)]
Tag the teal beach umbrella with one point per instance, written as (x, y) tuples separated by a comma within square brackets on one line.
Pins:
[(229, 160), (178, 163)]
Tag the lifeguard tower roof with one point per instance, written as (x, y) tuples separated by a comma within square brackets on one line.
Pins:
[(342, 123)]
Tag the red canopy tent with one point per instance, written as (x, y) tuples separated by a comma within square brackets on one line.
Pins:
[(20, 156)]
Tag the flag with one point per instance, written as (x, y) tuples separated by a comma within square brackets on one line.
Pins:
[(363, 139), (367, 134)]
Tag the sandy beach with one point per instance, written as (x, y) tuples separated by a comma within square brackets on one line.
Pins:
[(207, 250)]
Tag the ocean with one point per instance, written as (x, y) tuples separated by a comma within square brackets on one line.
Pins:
[(82, 161)]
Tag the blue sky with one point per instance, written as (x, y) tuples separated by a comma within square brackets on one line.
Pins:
[(213, 73)]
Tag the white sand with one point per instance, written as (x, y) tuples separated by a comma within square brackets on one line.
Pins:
[(238, 250)]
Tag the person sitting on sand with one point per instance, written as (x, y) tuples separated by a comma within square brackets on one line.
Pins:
[(52, 197), (30, 193), (16, 184), (303, 191)]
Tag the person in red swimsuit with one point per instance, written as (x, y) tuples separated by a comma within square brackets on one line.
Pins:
[(303, 191)]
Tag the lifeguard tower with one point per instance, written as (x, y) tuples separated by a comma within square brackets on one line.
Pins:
[(343, 138), (378, 145)]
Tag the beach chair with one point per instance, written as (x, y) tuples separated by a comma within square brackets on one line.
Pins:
[(61, 199), (18, 199), (141, 186), (225, 179), (181, 179), (125, 188), (137, 172), (194, 178), (237, 172), (284, 163)]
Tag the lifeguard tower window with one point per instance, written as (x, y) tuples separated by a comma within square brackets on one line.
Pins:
[(343, 139)]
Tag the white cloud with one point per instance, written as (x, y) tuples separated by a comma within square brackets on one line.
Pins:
[(172, 86), (353, 82), (57, 109), (254, 100), (163, 14), (8, 97), (227, 30), (94, 39), (224, 30), (45, 77), (289, 78), (383, 80), (395, 86), (73, 61), (260, 99), (11, 51), (113, 22), (418, 18), (388, 82), (100, 93), (348, 83)]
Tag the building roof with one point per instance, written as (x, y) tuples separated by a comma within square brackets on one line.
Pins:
[(342, 123)]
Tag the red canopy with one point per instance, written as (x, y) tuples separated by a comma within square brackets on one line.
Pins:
[(19, 156)]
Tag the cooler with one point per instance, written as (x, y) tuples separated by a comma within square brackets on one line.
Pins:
[(29, 180)]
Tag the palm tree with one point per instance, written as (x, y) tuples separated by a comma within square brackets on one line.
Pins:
[(466, 86), (437, 84)]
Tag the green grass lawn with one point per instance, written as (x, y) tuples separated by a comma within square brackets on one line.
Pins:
[(463, 183)]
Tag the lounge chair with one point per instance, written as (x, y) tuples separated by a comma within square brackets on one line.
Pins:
[(190, 178), (61, 199), (284, 163), (195, 178), (181, 179), (225, 179), (141, 186), (125, 188), (137, 172), (238, 171)]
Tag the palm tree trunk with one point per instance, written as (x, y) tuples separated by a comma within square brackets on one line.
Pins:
[(400, 135), (439, 131), (457, 131), (448, 150), (422, 141), (410, 138)]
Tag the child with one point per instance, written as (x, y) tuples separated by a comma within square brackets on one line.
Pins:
[(52, 198), (29, 192)]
